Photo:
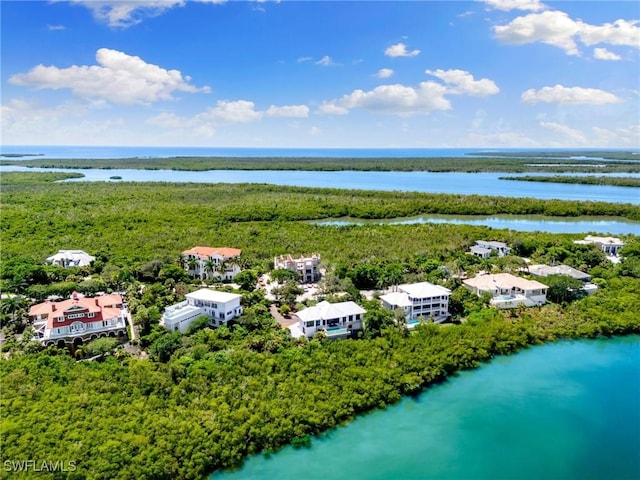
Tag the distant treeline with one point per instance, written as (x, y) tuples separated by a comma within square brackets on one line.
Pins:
[(440, 164), (566, 155), (586, 180)]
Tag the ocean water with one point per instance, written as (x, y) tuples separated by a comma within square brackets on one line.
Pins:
[(75, 151), (565, 411)]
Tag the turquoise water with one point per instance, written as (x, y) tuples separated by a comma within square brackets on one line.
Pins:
[(569, 410)]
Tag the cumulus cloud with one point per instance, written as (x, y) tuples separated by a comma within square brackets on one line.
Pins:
[(325, 61), (118, 78), (126, 13), (405, 100), (506, 5), (604, 54), (568, 95), (392, 99), (462, 82), (571, 134), (400, 50), (558, 29), (384, 73), (225, 113)]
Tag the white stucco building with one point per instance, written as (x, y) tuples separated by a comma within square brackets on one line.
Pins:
[(212, 262), (79, 319), (71, 258), (420, 301), (220, 307), (484, 249), (508, 291), (337, 320), (307, 267), (611, 246)]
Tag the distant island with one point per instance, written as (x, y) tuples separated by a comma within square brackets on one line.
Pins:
[(578, 162), (585, 180), (20, 155)]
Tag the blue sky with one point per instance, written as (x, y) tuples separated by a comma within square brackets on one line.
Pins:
[(490, 73)]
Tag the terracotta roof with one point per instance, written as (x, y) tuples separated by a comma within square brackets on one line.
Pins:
[(206, 252), (56, 309)]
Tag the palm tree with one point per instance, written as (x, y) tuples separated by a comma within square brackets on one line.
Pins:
[(193, 265), (210, 266), (14, 307)]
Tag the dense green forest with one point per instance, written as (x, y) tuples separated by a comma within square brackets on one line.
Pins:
[(205, 401), (487, 163), (586, 180)]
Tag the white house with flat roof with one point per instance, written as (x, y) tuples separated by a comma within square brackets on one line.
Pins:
[(220, 307), (484, 249), (422, 300), (71, 258), (337, 320), (609, 245), (508, 291)]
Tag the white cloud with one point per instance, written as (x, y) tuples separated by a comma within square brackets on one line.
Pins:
[(118, 78), (314, 131), (298, 111), (620, 32), (384, 73), (553, 28), (400, 50), (126, 13), (325, 61), (506, 5), (304, 59), (604, 54), (392, 99), (462, 82), (568, 95), (331, 108), (225, 113), (625, 136), (576, 137), (404, 100), (53, 28), (558, 29)]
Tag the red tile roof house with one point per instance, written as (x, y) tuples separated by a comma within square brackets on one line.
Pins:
[(212, 262), (79, 319)]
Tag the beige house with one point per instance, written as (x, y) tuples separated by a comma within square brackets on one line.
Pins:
[(212, 262), (307, 267), (508, 291)]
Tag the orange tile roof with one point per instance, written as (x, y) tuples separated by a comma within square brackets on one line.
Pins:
[(205, 252)]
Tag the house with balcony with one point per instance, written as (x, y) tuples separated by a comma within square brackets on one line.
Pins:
[(79, 319), (307, 267), (212, 262), (220, 307), (508, 291), (419, 301), (484, 249), (70, 258), (337, 320), (611, 246)]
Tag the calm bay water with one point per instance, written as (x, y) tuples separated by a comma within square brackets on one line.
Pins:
[(446, 182), (569, 410), (530, 223)]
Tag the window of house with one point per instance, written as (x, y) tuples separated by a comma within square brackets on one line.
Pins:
[(317, 323)]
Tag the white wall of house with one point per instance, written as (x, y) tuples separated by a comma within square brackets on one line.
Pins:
[(220, 307)]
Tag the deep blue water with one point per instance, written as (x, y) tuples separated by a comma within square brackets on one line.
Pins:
[(74, 151), (563, 411)]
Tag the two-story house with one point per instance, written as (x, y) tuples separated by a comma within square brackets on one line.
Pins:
[(79, 319), (419, 301), (212, 262), (220, 307), (337, 320)]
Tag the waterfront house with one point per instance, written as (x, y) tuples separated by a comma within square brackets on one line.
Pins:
[(307, 267), (79, 319), (220, 307), (70, 258), (212, 262), (422, 300), (484, 249), (546, 270), (508, 291), (611, 246), (337, 320)]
